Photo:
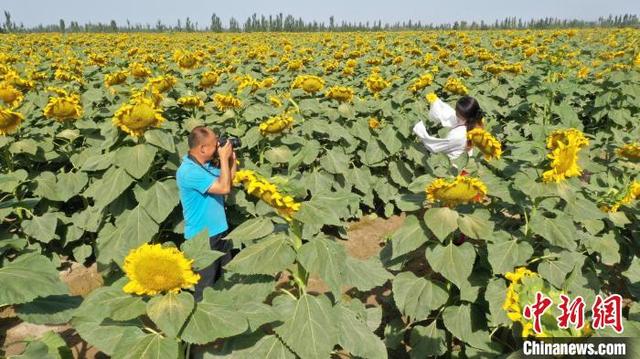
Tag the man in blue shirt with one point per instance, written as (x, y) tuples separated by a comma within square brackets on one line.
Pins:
[(202, 188)]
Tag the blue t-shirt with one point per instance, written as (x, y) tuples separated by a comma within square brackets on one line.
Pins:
[(200, 209)]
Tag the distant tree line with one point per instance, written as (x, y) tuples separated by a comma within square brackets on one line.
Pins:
[(281, 23)]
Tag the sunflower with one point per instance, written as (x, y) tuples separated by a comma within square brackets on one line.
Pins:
[(153, 269), (460, 190), (374, 123), (564, 145), (10, 95), (630, 151), (563, 135), (309, 83), (340, 93), (63, 107), (431, 97), (421, 82), (455, 86), (275, 101), (115, 78), (185, 60), (485, 142), (226, 102), (276, 124), (137, 116), (191, 101), (9, 121), (632, 193), (208, 79), (259, 187), (161, 84), (375, 83), (138, 70)]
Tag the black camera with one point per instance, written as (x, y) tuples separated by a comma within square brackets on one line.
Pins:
[(235, 142)]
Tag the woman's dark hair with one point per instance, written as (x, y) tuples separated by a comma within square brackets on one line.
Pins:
[(468, 108)]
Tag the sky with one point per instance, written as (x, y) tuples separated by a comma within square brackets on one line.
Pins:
[(34, 12)]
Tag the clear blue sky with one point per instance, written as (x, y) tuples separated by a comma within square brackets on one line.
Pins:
[(33, 12)]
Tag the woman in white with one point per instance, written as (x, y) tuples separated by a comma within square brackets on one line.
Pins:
[(466, 116)]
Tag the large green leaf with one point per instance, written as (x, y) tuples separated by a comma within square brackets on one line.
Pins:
[(365, 274), (407, 238), (199, 249), (505, 256), (476, 225), (28, 277), (109, 187), (311, 332), (441, 221), (54, 309), (111, 302), (104, 335), (269, 256), (335, 161), (454, 262), (170, 311), (132, 229), (416, 297), (467, 323), (149, 346), (159, 199), (327, 258), (355, 337), (214, 317), (559, 231), (252, 229), (42, 228), (135, 160), (61, 187), (160, 138), (427, 341)]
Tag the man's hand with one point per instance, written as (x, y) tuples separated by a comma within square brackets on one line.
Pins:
[(225, 152)]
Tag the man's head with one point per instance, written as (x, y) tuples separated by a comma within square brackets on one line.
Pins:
[(203, 143)]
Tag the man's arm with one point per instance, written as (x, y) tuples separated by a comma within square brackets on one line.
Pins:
[(223, 184), (234, 168)]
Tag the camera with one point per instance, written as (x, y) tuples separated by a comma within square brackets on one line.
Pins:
[(235, 142)]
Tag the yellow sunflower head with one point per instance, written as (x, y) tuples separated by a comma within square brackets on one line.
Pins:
[(566, 135), (375, 83), (115, 78), (485, 142), (208, 79), (191, 101), (226, 102), (139, 70), (9, 121), (137, 116), (431, 97), (461, 189), (629, 151), (10, 95), (374, 123), (63, 108), (153, 269), (162, 84), (308, 83), (276, 124), (454, 85), (340, 93)]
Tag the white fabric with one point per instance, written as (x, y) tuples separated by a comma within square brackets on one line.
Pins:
[(443, 114), (456, 141)]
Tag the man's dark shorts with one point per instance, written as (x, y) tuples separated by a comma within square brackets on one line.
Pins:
[(214, 271)]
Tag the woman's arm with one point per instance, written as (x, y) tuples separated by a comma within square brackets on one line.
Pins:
[(453, 145), (443, 114)]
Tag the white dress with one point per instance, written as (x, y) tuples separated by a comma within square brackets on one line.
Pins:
[(456, 141)]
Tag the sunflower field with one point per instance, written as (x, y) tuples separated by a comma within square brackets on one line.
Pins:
[(93, 128)]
